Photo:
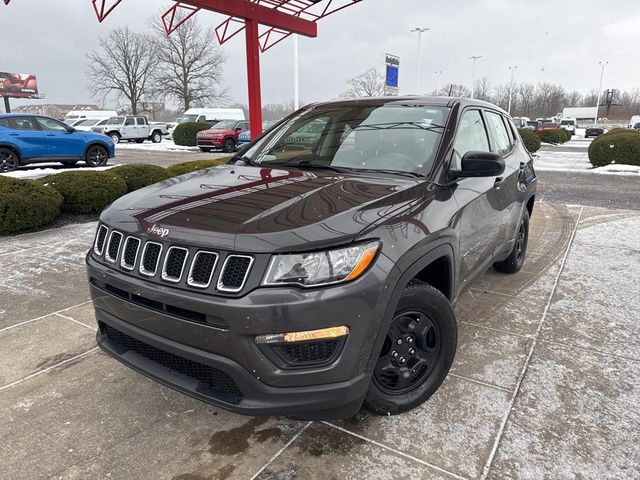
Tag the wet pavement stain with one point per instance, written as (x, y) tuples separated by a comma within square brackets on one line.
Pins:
[(236, 440), (331, 442), (59, 358)]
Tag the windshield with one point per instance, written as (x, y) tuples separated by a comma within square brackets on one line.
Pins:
[(88, 122), (225, 125), (395, 138), (71, 120), (115, 121), (567, 122), (188, 118)]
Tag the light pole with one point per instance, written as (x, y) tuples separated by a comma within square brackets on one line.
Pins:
[(603, 64), (420, 31), (512, 69), (438, 73), (475, 58)]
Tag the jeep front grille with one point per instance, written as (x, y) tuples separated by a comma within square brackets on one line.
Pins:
[(101, 236), (150, 258), (174, 264), (234, 273), (130, 253), (113, 247), (202, 267)]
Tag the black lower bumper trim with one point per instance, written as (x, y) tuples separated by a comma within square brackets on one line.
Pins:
[(211, 381)]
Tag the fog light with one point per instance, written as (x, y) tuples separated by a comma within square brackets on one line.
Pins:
[(321, 334)]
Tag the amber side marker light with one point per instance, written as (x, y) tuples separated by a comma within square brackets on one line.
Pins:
[(365, 260), (292, 337)]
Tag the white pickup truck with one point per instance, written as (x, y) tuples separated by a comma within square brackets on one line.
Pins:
[(133, 129)]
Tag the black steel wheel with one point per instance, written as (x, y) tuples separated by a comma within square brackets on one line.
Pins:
[(96, 156), (417, 351), (229, 145), (9, 160), (409, 353), (513, 263)]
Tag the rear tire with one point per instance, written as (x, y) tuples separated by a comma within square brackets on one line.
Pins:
[(156, 137), (229, 145), (409, 372), (513, 263), (97, 156), (9, 160)]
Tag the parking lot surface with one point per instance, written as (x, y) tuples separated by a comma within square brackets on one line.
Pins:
[(545, 384)]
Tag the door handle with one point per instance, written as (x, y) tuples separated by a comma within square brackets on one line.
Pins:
[(14, 134), (523, 165), (51, 134), (498, 182)]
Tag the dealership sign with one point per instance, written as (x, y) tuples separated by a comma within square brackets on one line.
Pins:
[(392, 73), (18, 85)]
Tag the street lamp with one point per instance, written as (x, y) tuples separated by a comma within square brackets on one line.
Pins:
[(512, 69), (603, 64), (438, 73), (475, 58), (420, 31)]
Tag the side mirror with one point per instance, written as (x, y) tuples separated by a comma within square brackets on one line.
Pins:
[(238, 129), (480, 164), (71, 130)]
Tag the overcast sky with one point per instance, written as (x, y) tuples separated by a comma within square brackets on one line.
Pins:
[(547, 40)]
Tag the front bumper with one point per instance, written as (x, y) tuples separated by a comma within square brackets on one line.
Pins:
[(335, 390), (209, 142)]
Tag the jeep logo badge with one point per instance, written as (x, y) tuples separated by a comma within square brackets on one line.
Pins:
[(156, 230)]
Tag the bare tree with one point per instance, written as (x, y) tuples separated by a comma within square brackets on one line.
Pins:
[(482, 89), (367, 84), (190, 65), (123, 66)]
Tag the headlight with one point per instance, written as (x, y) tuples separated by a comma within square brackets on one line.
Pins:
[(321, 268)]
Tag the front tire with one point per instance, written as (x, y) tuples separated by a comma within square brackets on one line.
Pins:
[(9, 160), (417, 352), (115, 138), (97, 156), (229, 145), (156, 137), (513, 263)]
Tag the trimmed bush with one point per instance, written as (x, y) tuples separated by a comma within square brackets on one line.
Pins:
[(622, 148), (187, 167), (140, 175), (530, 139), (86, 192), (552, 136), (185, 133), (26, 204), (566, 134)]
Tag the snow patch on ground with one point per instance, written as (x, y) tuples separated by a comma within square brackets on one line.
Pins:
[(165, 146), (615, 169), (47, 169)]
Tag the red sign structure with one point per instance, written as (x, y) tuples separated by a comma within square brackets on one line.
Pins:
[(265, 22)]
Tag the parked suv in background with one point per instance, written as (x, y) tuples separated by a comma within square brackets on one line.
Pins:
[(223, 134), (32, 138), (133, 129), (308, 279)]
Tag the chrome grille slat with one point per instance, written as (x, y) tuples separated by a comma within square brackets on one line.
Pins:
[(130, 253), (150, 258), (202, 268), (101, 237), (113, 246), (234, 273), (175, 259)]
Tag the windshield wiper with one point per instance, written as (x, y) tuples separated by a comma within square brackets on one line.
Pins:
[(391, 172), (246, 160), (308, 165)]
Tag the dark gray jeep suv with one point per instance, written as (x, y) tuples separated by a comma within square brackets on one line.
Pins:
[(310, 278)]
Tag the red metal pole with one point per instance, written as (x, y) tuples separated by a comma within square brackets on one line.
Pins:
[(253, 77)]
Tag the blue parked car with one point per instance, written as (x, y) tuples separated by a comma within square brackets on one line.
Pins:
[(245, 137), (33, 138)]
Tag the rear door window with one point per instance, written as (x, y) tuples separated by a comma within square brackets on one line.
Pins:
[(499, 135)]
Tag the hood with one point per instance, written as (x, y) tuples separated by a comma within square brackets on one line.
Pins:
[(250, 209), (214, 131), (92, 135)]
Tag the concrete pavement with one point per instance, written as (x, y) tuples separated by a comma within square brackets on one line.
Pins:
[(545, 384)]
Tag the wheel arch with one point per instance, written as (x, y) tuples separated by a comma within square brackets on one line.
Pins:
[(93, 143), (13, 148), (424, 267)]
